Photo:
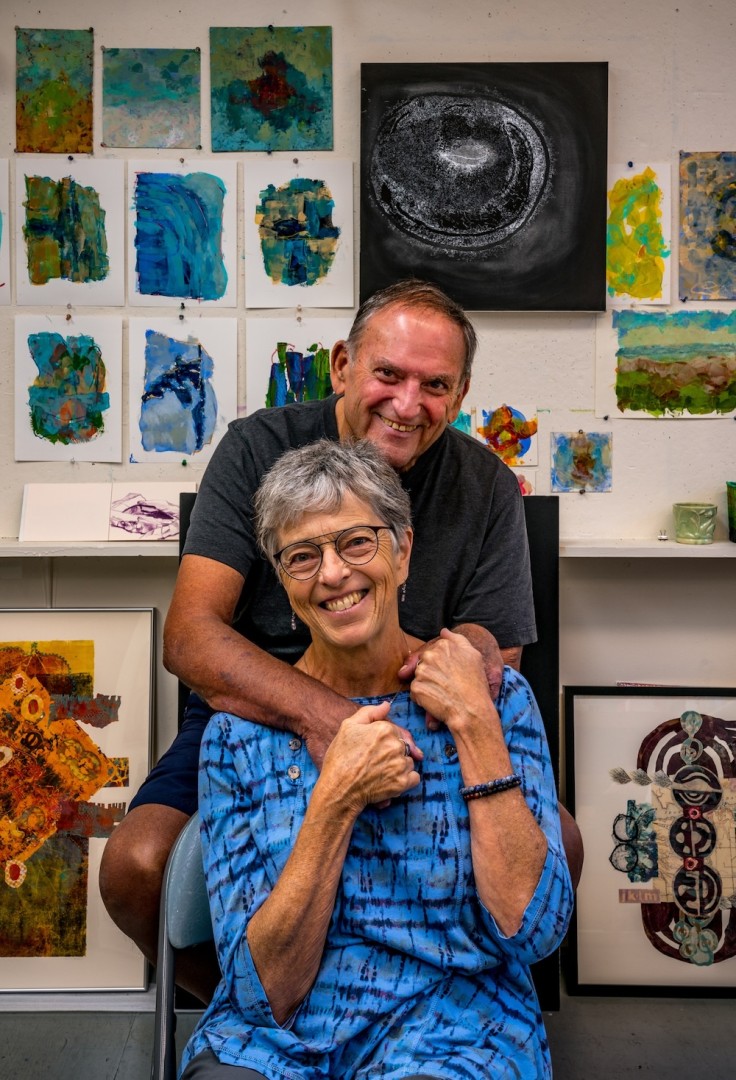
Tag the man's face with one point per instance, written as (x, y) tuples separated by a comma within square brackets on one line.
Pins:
[(404, 385)]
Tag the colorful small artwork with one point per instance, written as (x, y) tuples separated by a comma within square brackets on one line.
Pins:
[(667, 364), (288, 360), (145, 512), (638, 243), (182, 387), (69, 232), (151, 97), (298, 235), (510, 432), (465, 422), (53, 103), (68, 376), (271, 87), (4, 234), (581, 461), (708, 226), (182, 233), (527, 481)]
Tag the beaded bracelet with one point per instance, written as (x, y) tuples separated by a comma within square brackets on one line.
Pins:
[(479, 791)]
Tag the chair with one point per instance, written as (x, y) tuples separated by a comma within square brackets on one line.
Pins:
[(184, 921)]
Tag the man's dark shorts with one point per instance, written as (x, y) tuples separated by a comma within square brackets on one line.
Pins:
[(173, 779)]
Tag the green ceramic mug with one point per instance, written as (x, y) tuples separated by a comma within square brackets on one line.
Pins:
[(694, 522)]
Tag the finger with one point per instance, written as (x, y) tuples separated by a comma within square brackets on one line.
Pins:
[(368, 714), (407, 669)]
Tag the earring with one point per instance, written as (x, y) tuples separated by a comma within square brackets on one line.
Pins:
[(293, 620), (403, 591)]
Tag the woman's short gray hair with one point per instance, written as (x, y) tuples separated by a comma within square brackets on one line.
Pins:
[(316, 478)]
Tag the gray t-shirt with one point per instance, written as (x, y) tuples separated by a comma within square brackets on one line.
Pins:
[(469, 562)]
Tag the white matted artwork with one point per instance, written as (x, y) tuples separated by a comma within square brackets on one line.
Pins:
[(288, 359), (182, 386), (69, 231), (68, 388), (59, 513), (639, 234), (88, 675), (527, 479), (4, 233), (508, 430), (182, 232), (298, 223), (146, 511)]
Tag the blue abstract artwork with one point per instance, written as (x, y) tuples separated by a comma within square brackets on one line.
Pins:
[(178, 407)]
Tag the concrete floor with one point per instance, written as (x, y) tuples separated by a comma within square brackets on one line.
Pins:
[(592, 1038)]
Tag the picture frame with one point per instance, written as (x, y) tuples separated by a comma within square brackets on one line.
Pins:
[(651, 781), (76, 694)]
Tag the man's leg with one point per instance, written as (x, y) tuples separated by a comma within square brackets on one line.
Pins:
[(572, 841)]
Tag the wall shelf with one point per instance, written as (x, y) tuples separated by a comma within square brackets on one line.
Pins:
[(15, 549), (644, 549)]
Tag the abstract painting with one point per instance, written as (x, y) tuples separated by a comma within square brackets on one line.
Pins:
[(271, 87), (68, 388), (69, 239), (708, 226), (527, 480), (581, 461), (666, 364), (509, 431), (638, 236), (182, 234), (183, 387), (299, 234), (288, 360), (53, 102), (4, 233), (151, 97), (148, 511), (651, 779), (488, 179), (75, 712)]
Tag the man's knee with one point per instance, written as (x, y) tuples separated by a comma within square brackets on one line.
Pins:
[(135, 856)]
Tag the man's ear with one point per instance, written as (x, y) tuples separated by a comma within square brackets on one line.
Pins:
[(455, 410), (339, 360)]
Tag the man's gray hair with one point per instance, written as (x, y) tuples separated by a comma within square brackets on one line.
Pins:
[(316, 478), (414, 293)]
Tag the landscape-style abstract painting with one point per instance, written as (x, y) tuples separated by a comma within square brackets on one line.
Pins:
[(666, 364), (638, 236), (151, 97), (53, 101)]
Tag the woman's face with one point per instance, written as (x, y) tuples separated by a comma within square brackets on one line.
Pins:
[(346, 605)]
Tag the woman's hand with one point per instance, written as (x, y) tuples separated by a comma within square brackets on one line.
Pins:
[(450, 683), (368, 761)]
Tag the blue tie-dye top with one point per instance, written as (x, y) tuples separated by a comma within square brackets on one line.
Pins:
[(416, 977)]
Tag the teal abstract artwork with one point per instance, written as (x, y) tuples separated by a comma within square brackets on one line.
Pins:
[(151, 97)]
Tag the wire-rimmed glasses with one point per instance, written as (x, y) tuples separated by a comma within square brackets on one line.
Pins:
[(355, 546)]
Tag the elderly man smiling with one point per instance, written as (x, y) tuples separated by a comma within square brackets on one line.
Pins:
[(399, 381)]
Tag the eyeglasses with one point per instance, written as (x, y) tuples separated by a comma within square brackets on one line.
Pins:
[(355, 546)]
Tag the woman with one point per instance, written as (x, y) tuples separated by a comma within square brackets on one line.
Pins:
[(376, 919)]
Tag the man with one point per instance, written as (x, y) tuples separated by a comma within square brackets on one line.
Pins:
[(401, 378)]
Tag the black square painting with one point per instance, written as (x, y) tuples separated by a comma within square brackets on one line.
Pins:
[(488, 179)]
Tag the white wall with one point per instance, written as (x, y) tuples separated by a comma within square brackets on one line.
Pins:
[(671, 88)]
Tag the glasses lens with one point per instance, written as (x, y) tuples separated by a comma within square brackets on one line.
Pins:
[(301, 560), (357, 545)]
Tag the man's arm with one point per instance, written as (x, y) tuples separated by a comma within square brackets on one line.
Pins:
[(231, 673)]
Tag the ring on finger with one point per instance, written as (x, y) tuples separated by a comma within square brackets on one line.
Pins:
[(407, 748)]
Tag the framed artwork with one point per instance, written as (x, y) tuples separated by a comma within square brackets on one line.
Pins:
[(299, 234), (182, 232), (69, 232), (651, 781), (639, 234), (68, 388), (182, 386), (488, 179), (75, 728)]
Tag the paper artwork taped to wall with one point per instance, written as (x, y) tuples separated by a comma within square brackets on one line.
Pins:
[(299, 234), (271, 87), (75, 719), (527, 480), (151, 97), (638, 236), (183, 387), (661, 365), (182, 233), (288, 360), (69, 239), (509, 431), (68, 388), (53, 98), (489, 179), (707, 226), (4, 233), (581, 461), (145, 511)]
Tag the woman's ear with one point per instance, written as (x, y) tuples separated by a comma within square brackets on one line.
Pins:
[(404, 556)]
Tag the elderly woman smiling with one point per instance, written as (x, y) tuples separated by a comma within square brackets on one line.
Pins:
[(376, 919)]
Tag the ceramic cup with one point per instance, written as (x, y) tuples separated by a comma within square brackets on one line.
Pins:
[(731, 501), (694, 522)]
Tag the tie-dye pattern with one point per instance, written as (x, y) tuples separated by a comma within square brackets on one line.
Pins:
[(416, 976)]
